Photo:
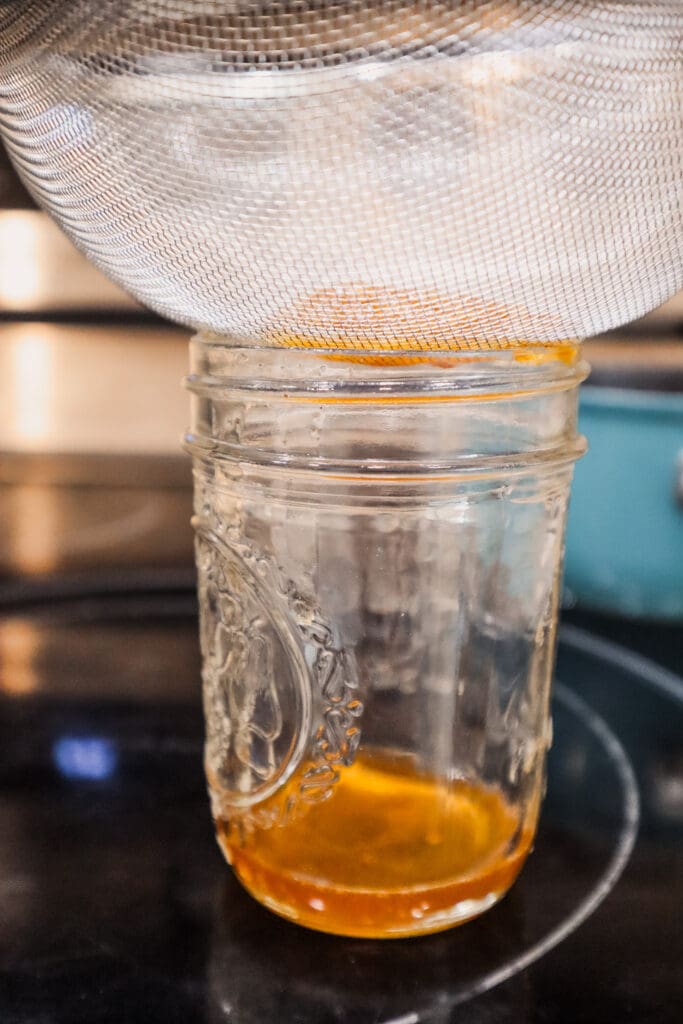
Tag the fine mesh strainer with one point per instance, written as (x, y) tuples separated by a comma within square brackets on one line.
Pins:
[(389, 174)]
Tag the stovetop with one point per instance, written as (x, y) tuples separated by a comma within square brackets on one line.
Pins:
[(116, 905)]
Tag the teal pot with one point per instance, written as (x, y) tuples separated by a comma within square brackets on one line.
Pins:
[(625, 530)]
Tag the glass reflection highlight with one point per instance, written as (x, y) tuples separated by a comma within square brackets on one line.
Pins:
[(85, 757), (20, 262)]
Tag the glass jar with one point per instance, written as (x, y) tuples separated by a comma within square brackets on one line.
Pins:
[(379, 547)]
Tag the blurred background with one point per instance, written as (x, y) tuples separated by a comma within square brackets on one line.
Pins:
[(92, 476), (95, 491)]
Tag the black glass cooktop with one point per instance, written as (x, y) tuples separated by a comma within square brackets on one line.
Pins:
[(116, 905)]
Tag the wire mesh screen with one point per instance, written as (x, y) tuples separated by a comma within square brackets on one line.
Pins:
[(386, 175)]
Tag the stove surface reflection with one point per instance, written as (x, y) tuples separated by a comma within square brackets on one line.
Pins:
[(116, 905)]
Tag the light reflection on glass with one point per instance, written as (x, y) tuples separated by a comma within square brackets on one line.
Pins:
[(667, 787), (35, 528), (84, 757), (18, 646), (20, 273), (32, 359)]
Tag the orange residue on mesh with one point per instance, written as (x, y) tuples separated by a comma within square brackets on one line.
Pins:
[(391, 852), (425, 326)]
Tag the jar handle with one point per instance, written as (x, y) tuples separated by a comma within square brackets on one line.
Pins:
[(281, 693)]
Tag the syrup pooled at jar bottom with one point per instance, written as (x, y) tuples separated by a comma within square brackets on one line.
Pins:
[(390, 853)]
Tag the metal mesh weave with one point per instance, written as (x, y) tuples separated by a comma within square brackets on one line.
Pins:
[(385, 175)]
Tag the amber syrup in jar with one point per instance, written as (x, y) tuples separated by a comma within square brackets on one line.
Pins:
[(391, 852)]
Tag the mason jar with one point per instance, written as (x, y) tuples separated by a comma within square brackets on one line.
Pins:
[(379, 547)]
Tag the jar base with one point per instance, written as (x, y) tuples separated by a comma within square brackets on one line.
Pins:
[(392, 852), (392, 908)]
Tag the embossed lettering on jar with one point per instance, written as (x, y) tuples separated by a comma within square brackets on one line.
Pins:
[(379, 556)]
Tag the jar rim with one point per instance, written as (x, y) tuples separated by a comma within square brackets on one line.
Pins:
[(302, 413), (322, 375)]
